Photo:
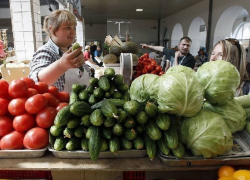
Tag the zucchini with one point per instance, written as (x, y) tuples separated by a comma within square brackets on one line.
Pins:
[(60, 143), (131, 107), (104, 83), (80, 108), (130, 134), (95, 143), (83, 95), (118, 79), (150, 146), (129, 122), (162, 146), (109, 122), (106, 132), (109, 109), (68, 133), (73, 98), (85, 144), (179, 152), (109, 73), (163, 121), (79, 131), (151, 109), (73, 144), (125, 144), (62, 116), (86, 120), (244, 100), (122, 115), (153, 130), (171, 136), (114, 144), (138, 143), (76, 88), (104, 145), (116, 102), (118, 129), (93, 81), (56, 130), (97, 118), (74, 122), (141, 117)]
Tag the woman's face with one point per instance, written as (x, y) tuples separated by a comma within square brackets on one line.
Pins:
[(217, 53), (65, 35)]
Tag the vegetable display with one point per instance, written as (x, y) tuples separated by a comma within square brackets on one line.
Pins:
[(147, 65), (204, 128)]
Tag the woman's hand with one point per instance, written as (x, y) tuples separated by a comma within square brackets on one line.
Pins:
[(72, 59)]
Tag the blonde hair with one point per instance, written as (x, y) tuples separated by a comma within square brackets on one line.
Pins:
[(236, 55), (56, 19), (87, 47)]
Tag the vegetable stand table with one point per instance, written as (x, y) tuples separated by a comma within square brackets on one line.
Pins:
[(102, 169)]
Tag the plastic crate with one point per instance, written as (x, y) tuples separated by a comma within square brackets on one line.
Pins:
[(12, 174), (134, 175)]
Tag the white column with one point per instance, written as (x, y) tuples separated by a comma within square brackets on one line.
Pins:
[(27, 29), (80, 33)]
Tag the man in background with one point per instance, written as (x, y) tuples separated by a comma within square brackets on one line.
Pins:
[(179, 57)]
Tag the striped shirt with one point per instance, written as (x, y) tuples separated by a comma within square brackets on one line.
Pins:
[(43, 57)]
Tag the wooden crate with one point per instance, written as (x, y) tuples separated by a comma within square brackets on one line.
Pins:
[(113, 41)]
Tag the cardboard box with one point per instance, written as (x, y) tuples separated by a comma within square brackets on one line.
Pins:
[(12, 71)]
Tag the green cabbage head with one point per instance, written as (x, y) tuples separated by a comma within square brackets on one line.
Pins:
[(220, 80), (181, 68), (233, 114), (180, 94), (206, 134), (144, 87)]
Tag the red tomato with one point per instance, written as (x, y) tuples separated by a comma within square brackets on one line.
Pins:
[(158, 68), (5, 125), (35, 103), (41, 87), (52, 101), (4, 106), (24, 122), (53, 90), (36, 138), (17, 106), (45, 117), (31, 92), (144, 71), (13, 140), (139, 72), (61, 105), (150, 68), (30, 82), (154, 72), (4, 85), (18, 88), (161, 73), (63, 96)]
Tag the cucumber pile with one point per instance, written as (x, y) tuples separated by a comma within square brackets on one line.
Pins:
[(101, 117)]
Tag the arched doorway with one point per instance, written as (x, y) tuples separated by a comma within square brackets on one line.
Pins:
[(177, 34), (229, 23), (197, 32)]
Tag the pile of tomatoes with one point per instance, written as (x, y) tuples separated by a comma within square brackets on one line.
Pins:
[(147, 65), (27, 111)]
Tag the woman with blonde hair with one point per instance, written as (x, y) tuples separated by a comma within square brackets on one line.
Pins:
[(55, 63), (230, 50)]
